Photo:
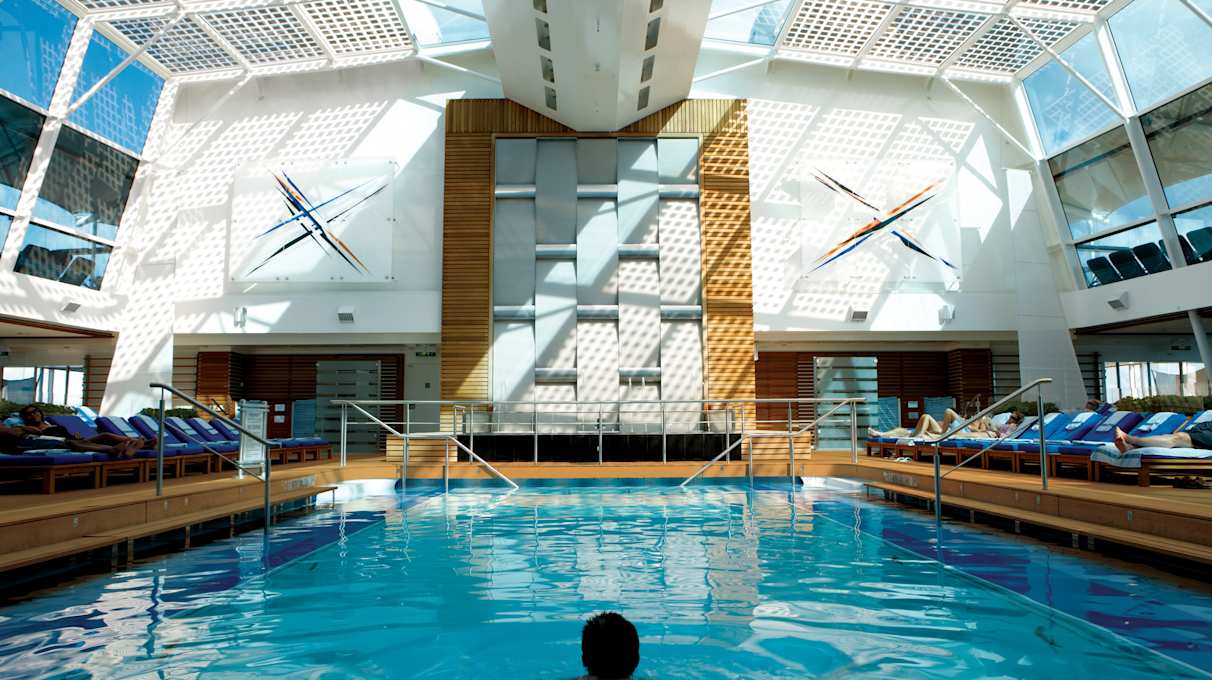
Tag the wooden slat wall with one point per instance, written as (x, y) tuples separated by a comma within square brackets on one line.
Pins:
[(213, 379), (970, 375), (472, 124), (185, 375), (96, 373)]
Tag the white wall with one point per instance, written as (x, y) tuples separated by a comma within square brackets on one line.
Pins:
[(388, 111), (886, 136)]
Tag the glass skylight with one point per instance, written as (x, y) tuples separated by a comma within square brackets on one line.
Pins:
[(431, 25), (746, 21)]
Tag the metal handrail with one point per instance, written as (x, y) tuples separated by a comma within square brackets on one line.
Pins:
[(789, 434), (1037, 385), (476, 457), (264, 477)]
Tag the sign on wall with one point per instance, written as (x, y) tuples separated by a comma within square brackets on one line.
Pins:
[(313, 223)]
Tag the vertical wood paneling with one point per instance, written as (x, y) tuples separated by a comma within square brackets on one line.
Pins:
[(96, 373), (722, 124)]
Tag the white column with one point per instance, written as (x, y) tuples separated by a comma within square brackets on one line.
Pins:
[(144, 351)]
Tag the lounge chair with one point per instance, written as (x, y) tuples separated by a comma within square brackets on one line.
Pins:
[(1146, 461), (201, 457), (1078, 453), (136, 467), (50, 466), (314, 446), (1014, 450)]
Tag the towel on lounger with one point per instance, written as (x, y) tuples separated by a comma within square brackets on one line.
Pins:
[(1111, 456)]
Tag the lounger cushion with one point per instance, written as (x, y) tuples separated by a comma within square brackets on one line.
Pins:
[(72, 424), (49, 457), (40, 443), (1110, 455)]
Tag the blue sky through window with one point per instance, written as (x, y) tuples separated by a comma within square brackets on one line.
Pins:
[(122, 111), (34, 35)]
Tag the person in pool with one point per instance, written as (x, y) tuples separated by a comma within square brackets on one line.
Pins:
[(610, 647)]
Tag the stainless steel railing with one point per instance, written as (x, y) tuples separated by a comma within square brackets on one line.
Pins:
[(1037, 385), (264, 476), (739, 421)]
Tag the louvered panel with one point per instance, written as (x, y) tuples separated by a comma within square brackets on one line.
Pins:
[(213, 378), (777, 377), (96, 373)]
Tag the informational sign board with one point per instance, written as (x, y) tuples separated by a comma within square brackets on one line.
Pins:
[(252, 418)]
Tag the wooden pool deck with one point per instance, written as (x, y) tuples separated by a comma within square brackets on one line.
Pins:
[(1158, 519)]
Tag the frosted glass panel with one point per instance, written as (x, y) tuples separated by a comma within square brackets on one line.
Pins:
[(557, 418), (597, 252), (597, 160), (597, 366), (515, 161), (682, 371), (512, 369), (640, 417), (679, 161), (681, 281), (638, 191), (556, 191), (513, 253), (639, 314), (555, 313)]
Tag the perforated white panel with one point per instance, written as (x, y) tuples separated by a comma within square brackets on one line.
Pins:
[(926, 36), (835, 26), (185, 48), (1085, 6), (265, 35), (114, 4), (1006, 49), (365, 26)]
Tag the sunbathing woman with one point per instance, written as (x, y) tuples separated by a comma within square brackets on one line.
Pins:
[(929, 428), (1198, 436), (34, 424)]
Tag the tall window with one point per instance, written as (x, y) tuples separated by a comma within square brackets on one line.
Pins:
[(62, 385), (1155, 378), (1099, 185), (1163, 47), (1065, 110), (122, 110), (19, 131), (1180, 140), (34, 35)]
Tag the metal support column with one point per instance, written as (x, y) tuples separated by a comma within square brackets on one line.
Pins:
[(536, 433), (938, 486), (599, 434), (727, 432), (1043, 442), (344, 433), (854, 432), (160, 450), (1201, 338), (664, 458)]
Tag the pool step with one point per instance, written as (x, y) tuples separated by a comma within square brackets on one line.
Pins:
[(1078, 528), (124, 536)]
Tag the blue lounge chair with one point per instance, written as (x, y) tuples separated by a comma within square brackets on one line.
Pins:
[(1149, 460), (185, 432), (50, 466), (1078, 453), (182, 456), (1125, 263), (1102, 270)]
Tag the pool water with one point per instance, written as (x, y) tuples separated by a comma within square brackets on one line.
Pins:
[(720, 581)]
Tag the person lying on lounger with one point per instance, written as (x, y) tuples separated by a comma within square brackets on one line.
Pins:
[(927, 427), (1198, 436), (34, 424)]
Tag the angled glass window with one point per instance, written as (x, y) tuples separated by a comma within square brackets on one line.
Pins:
[(86, 185), (1163, 46), (1099, 184), (1180, 140), (1195, 234), (435, 26), (1066, 111), (5, 223), (34, 35), (61, 257), (1126, 255), (19, 131), (757, 25), (122, 110)]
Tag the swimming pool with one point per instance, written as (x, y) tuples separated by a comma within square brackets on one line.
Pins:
[(720, 581)]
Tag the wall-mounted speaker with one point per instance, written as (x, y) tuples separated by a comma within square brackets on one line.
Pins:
[(856, 315), (345, 314), (1120, 303)]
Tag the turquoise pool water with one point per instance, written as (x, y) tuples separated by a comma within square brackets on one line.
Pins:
[(721, 582)]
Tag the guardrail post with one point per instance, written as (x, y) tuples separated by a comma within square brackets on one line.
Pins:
[(790, 443), (938, 486), (599, 434), (664, 428), (854, 432), (344, 430), (407, 432), (446, 468), (536, 432), (1043, 443), (727, 431), (160, 450)]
